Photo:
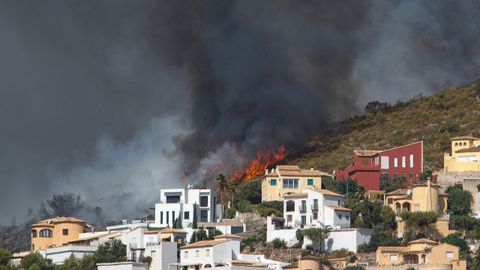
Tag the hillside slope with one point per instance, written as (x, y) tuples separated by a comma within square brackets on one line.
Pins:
[(433, 119)]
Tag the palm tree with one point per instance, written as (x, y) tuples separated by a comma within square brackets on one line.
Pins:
[(221, 183)]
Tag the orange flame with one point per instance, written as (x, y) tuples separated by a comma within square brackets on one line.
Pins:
[(264, 159)]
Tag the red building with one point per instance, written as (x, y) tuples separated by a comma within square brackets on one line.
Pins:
[(369, 165)]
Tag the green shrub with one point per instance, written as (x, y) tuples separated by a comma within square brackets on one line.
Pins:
[(231, 213), (450, 127), (278, 243)]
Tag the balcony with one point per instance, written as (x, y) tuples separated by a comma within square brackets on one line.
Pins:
[(314, 207), (302, 208)]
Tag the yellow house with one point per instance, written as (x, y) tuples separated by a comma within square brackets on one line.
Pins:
[(286, 179), (465, 155), (421, 254), (425, 197), (54, 232)]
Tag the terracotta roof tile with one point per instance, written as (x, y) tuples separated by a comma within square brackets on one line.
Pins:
[(172, 230), (205, 243), (423, 240), (338, 207), (401, 191), (467, 137), (56, 220), (366, 153), (328, 192), (469, 150)]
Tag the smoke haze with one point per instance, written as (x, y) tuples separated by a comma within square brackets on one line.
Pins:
[(116, 99)]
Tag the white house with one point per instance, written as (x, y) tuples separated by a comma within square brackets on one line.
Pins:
[(59, 254), (184, 203), (222, 253), (316, 208)]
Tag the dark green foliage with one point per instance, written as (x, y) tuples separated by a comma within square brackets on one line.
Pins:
[(450, 127), (35, 261), (63, 205), (244, 206), (5, 256), (199, 236), (380, 238), (250, 191), (455, 240), (177, 224), (147, 259), (354, 268), (114, 251), (376, 106), (427, 174), (260, 237), (278, 243), (464, 223), (195, 218), (369, 211), (317, 235), (265, 212), (459, 201), (231, 213), (389, 184), (388, 217), (269, 208), (339, 186), (419, 219)]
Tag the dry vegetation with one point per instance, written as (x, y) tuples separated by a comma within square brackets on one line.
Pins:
[(434, 119)]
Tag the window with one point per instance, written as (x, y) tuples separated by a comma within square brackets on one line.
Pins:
[(339, 202), (411, 160), (273, 182), (390, 200), (385, 163), (65, 231), (411, 176), (290, 183), (161, 217), (310, 182), (186, 215), (376, 161), (393, 258), (173, 199), (303, 220), (449, 255), (34, 233), (315, 215), (197, 253), (404, 176), (340, 216), (290, 206), (173, 217), (168, 217), (404, 161), (203, 201), (347, 216), (395, 162), (46, 233), (207, 252), (204, 215), (289, 218)]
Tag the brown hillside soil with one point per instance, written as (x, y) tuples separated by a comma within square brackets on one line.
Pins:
[(434, 119)]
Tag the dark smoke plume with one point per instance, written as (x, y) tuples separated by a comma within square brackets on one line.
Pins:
[(115, 99)]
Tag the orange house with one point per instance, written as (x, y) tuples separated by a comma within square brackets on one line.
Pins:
[(54, 232)]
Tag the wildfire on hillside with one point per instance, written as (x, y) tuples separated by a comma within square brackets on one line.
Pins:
[(263, 160)]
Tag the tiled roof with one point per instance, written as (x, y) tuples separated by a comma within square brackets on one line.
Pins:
[(469, 150), (423, 240), (401, 191), (338, 207), (293, 170), (467, 137), (366, 153), (292, 195), (107, 234), (56, 220), (223, 222), (227, 236), (328, 192), (205, 243), (391, 248), (172, 230)]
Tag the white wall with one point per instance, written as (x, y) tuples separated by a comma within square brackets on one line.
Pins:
[(162, 255), (122, 266), (59, 254)]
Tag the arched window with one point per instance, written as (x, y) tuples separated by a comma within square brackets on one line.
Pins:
[(290, 206), (406, 207), (207, 266), (46, 233), (34, 233), (398, 207)]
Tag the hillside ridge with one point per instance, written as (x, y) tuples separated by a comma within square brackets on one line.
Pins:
[(434, 119)]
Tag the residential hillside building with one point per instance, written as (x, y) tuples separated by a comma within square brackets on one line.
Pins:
[(287, 179), (55, 232), (420, 254), (369, 165), (308, 263), (184, 203), (472, 185), (223, 252), (316, 208), (465, 155), (425, 197)]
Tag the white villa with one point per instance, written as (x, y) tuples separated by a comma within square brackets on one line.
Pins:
[(316, 208), (222, 253), (184, 203)]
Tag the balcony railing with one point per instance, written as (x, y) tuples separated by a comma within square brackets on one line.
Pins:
[(314, 207), (302, 208)]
